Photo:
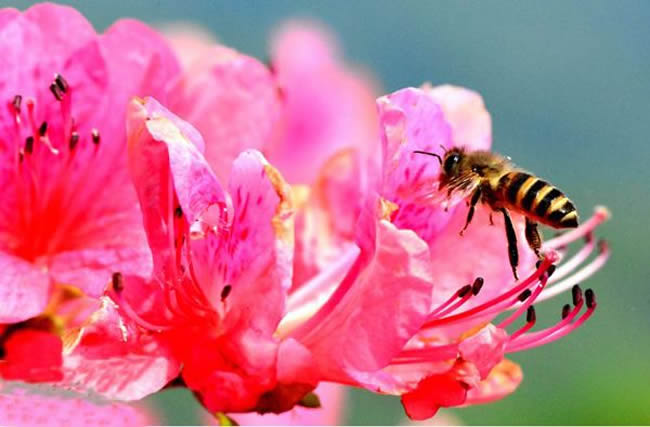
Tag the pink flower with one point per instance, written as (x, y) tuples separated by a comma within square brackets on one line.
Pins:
[(26, 405), (222, 266), (69, 215), (72, 217), (430, 342)]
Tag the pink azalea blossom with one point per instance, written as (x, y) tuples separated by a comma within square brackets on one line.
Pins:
[(71, 215), (222, 266), (69, 212), (27, 405), (445, 353)]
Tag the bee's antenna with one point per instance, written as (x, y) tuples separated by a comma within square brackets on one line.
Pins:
[(444, 149), (430, 154)]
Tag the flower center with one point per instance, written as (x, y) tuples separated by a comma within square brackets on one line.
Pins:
[(47, 160)]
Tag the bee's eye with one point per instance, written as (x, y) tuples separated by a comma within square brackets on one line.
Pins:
[(450, 163)]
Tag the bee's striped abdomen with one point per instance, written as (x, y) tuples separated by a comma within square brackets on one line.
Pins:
[(538, 199)]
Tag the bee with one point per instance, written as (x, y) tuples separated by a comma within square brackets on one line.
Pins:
[(493, 180)]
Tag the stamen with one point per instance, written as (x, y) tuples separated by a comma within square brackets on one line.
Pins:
[(74, 140), (530, 315), (576, 295), (590, 296), (16, 103), (56, 91), (577, 259), (29, 145), (529, 300), (580, 276), (225, 292), (554, 333), (118, 282), (95, 136), (494, 305), (61, 83), (531, 319), (477, 285), (525, 294), (42, 130)]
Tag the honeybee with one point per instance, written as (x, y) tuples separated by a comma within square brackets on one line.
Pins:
[(493, 180)]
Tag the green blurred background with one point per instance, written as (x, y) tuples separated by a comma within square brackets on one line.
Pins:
[(568, 87)]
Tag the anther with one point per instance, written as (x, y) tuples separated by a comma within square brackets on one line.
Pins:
[(464, 291), (524, 295), (576, 294), (74, 139), (477, 285), (603, 246), (29, 145), (56, 91), (590, 296), (95, 136), (225, 292), (178, 212), (17, 102), (531, 317), (61, 83), (118, 282), (565, 311), (42, 130), (551, 269), (538, 263)]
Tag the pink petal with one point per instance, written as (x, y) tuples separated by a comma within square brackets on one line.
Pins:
[(331, 396), (40, 405), (410, 120), (325, 224), (115, 359), (387, 302), (24, 289), (432, 393), (485, 348), (232, 100), (93, 267), (36, 44), (327, 106), (465, 111), (162, 154)]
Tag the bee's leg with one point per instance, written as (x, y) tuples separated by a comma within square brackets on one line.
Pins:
[(513, 254), (533, 237), (470, 214)]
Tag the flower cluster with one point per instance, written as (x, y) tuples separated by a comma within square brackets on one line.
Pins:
[(197, 218)]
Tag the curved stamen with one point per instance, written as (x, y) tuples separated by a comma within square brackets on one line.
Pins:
[(527, 303), (115, 292), (580, 275), (578, 258), (460, 298), (531, 319), (490, 305), (554, 335)]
